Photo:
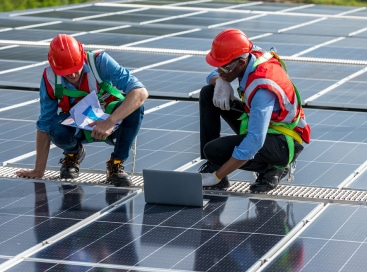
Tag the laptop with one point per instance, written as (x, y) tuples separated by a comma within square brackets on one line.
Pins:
[(173, 188)]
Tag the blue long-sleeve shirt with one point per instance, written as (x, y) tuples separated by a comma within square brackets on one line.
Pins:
[(263, 104), (109, 70)]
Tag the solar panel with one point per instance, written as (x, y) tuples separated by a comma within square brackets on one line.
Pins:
[(312, 223)]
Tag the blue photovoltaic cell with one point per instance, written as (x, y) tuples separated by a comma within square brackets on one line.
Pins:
[(360, 182), (67, 226), (141, 236), (335, 246)]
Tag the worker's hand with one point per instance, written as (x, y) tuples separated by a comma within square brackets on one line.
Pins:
[(102, 129), (29, 173), (209, 179), (223, 94)]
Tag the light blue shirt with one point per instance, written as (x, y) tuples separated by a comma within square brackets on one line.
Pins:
[(263, 104), (110, 71)]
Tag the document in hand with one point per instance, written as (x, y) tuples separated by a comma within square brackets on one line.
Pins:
[(85, 112)]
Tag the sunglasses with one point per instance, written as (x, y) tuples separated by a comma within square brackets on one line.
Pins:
[(230, 66)]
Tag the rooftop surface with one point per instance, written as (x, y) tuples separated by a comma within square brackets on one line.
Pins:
[(313, 223)]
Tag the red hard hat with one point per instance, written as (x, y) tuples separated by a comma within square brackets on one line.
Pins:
[(228, 45), (66, 55)]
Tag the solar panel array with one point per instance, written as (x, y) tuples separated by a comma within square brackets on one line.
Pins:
[(51, 225)]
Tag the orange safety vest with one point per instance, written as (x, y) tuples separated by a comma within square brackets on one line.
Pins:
[(269, 73), (89, 81), (108, 95)]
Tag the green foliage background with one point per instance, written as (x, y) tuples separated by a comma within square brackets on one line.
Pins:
[(10, 5), (362, 3)]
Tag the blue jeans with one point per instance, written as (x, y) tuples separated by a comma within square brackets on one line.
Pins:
[(69, 138)]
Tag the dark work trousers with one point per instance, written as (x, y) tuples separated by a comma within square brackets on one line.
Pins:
[(218, 149)]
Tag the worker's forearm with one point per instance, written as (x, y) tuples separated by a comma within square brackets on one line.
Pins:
[(228, 167), (133, 100), (213, 80)]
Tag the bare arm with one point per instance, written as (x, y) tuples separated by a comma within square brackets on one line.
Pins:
[(42, 150), (133, 100), (229, 166), (213, 80)]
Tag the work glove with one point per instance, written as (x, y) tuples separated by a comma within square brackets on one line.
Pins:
[(223, 94), (209, 179)]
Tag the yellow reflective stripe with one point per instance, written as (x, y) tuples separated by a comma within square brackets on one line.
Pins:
[(287, 131)]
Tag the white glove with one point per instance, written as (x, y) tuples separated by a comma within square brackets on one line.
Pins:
[(209, 179), (223, 94)]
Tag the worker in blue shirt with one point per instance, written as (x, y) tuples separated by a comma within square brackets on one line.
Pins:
[(72, 74), (267, 117)]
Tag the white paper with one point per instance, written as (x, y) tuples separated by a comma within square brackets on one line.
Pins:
[(85, 112)]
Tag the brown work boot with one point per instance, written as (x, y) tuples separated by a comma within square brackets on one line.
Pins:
[(115, 173), (70, 164)]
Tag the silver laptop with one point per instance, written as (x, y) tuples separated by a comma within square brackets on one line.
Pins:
[(173, 188)]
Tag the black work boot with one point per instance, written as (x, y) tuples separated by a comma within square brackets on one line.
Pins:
[(115, 173), (70, 164), (267, 181), (209, 167)]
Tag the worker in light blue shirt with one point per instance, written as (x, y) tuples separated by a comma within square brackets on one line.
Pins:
[(73, 74), (267, 100), (263, 104)]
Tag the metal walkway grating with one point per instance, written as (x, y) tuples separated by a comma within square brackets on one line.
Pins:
[(86, 177), (306, 193), (283, 191)]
